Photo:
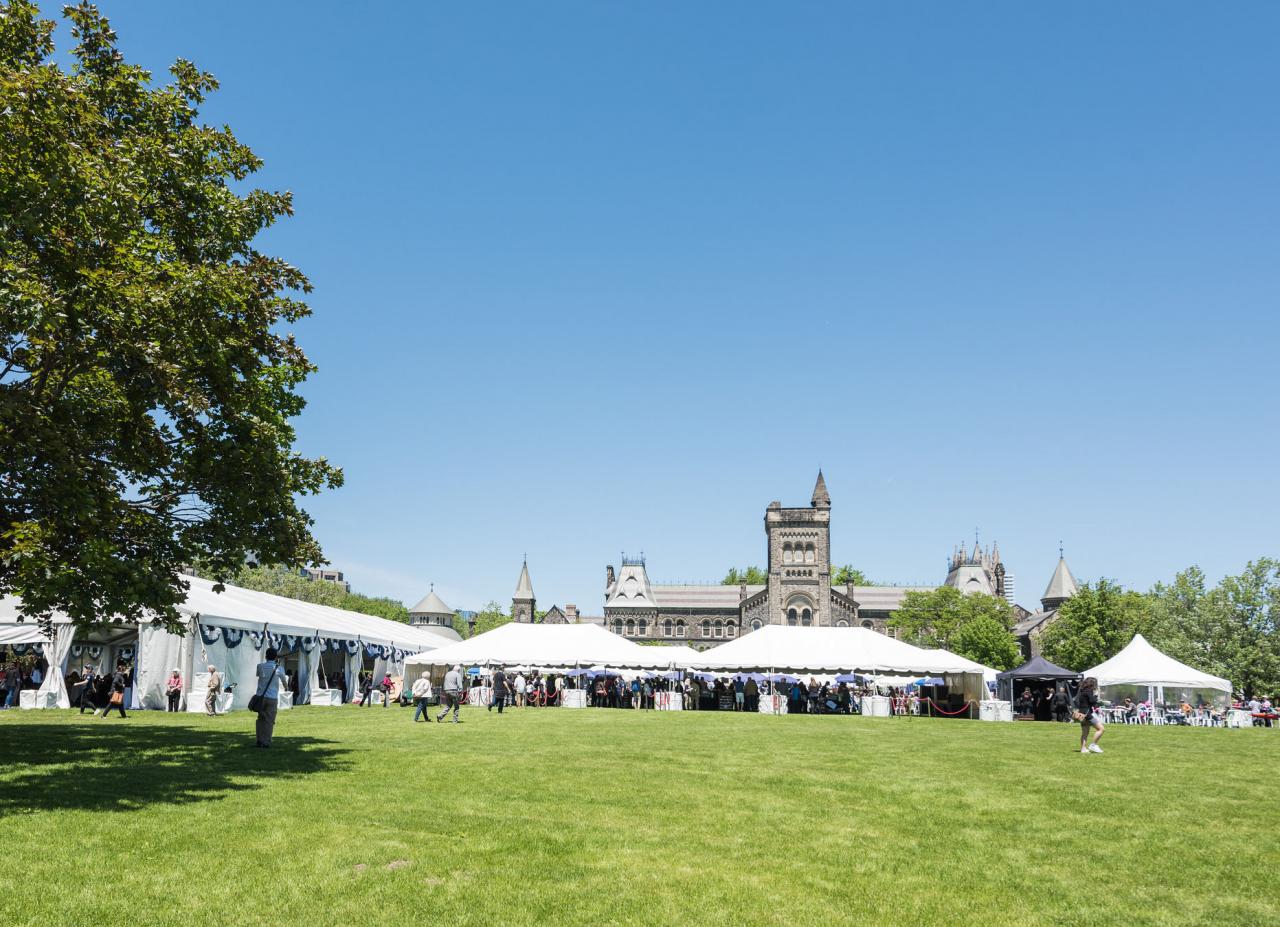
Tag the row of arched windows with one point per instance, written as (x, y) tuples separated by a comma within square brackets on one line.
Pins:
[(796, 617), (798, 553)]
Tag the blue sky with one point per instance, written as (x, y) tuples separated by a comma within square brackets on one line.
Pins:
[(601, 277)]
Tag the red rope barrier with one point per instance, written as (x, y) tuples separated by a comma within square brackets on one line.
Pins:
[(950, 713)]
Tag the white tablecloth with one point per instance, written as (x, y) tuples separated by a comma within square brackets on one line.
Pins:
[(773, 704), (875, 706), (668, 701), (480, 695), (285, 701), (195, 700), (573, 698), (27, 698), (995, 710), (326, 696)]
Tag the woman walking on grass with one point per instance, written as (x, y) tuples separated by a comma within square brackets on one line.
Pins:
[(1088, 712)]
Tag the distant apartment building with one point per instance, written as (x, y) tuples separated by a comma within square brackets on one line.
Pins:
[(326, 576)]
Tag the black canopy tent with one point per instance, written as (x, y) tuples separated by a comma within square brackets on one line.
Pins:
[(1036, 670)]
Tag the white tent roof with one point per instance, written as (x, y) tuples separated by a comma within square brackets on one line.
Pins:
[(1140, 664), (682, 656), (793, 649), (545, 645), (251, 610), (967, 665)]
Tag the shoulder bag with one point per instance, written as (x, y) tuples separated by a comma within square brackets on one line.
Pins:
[(255, 703)]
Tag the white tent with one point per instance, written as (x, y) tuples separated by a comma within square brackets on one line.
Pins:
[(782, 648), (220, 626), (680, 656), (830, 650), (1140, 664), (546, 646), (988, 674)]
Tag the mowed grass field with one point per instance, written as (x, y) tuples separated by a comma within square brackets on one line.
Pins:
[(358, 816)]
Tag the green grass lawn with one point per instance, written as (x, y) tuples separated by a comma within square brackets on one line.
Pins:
[(613, 817)]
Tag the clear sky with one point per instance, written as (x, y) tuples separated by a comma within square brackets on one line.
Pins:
[(608, 277)]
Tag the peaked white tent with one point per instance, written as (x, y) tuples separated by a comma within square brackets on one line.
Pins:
[(1140, 665), (230, 629), (545, 646)]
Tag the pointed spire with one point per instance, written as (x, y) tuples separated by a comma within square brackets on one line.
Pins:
[(524, 588), (1062, 585), (821, 499)]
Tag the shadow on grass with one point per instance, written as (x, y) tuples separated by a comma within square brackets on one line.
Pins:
[(121, 767)]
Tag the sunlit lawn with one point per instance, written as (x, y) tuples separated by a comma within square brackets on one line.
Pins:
[(600, 817)]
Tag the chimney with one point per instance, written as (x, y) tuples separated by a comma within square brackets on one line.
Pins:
[(608, 576), (571, 613)]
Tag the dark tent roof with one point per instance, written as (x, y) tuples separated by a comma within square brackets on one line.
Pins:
[(1038, 668)]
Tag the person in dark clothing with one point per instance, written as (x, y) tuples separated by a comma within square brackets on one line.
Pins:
[(88, 689), (115, 698), (499, 698), (366, 689), (1061, 704), (1089, 714)]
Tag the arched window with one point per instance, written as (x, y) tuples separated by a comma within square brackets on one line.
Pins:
[(679, 629), (868, 625), (642, 627), (786, 553), (730, 629), (756, 624), (842, 623), (719, 628), (631, 628), (808, 553), (706, 627), (617, 626), (666, 628), (791, 616), (806, 618)]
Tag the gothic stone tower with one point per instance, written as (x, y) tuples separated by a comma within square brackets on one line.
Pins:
[(523, 603), (800, 561)]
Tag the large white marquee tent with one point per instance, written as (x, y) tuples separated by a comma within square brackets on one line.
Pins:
[(1141, 665), (545, 646), (781, 648), (230, 630)]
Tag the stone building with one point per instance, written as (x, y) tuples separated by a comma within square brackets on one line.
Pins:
[(798, 590), (432, 612), (1062, 586)]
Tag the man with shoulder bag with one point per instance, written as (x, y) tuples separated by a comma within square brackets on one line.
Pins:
[(267, 700)]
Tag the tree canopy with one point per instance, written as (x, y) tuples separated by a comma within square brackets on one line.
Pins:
[(752, 576), (147, 381), (1095, 624), (976, 626), (847, 575)]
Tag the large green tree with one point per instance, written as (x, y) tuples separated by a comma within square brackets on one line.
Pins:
[(1095, 624), (752, 576), (147, 377), (490, 617), (976, 626), (1230, 630)]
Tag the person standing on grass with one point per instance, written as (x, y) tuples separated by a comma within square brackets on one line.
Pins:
[(88, 683), (173, 689), (115, 695), (385, 688), (452, 694), (211, 694), (13, 685), (1089, 714), (366, 689), (519, 690), (271, 678), (499, 697), (421, 696)]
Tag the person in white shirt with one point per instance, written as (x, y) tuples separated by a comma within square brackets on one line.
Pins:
[(271, 677), (421, 695), (519, 687)]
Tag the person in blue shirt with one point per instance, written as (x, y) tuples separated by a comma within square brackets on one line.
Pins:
[(270, 678)]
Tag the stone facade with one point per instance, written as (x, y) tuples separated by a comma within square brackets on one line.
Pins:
[(798, 590)]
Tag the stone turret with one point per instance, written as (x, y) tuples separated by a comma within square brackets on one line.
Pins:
[(523, 603), (821, 499), (1062, 586)]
